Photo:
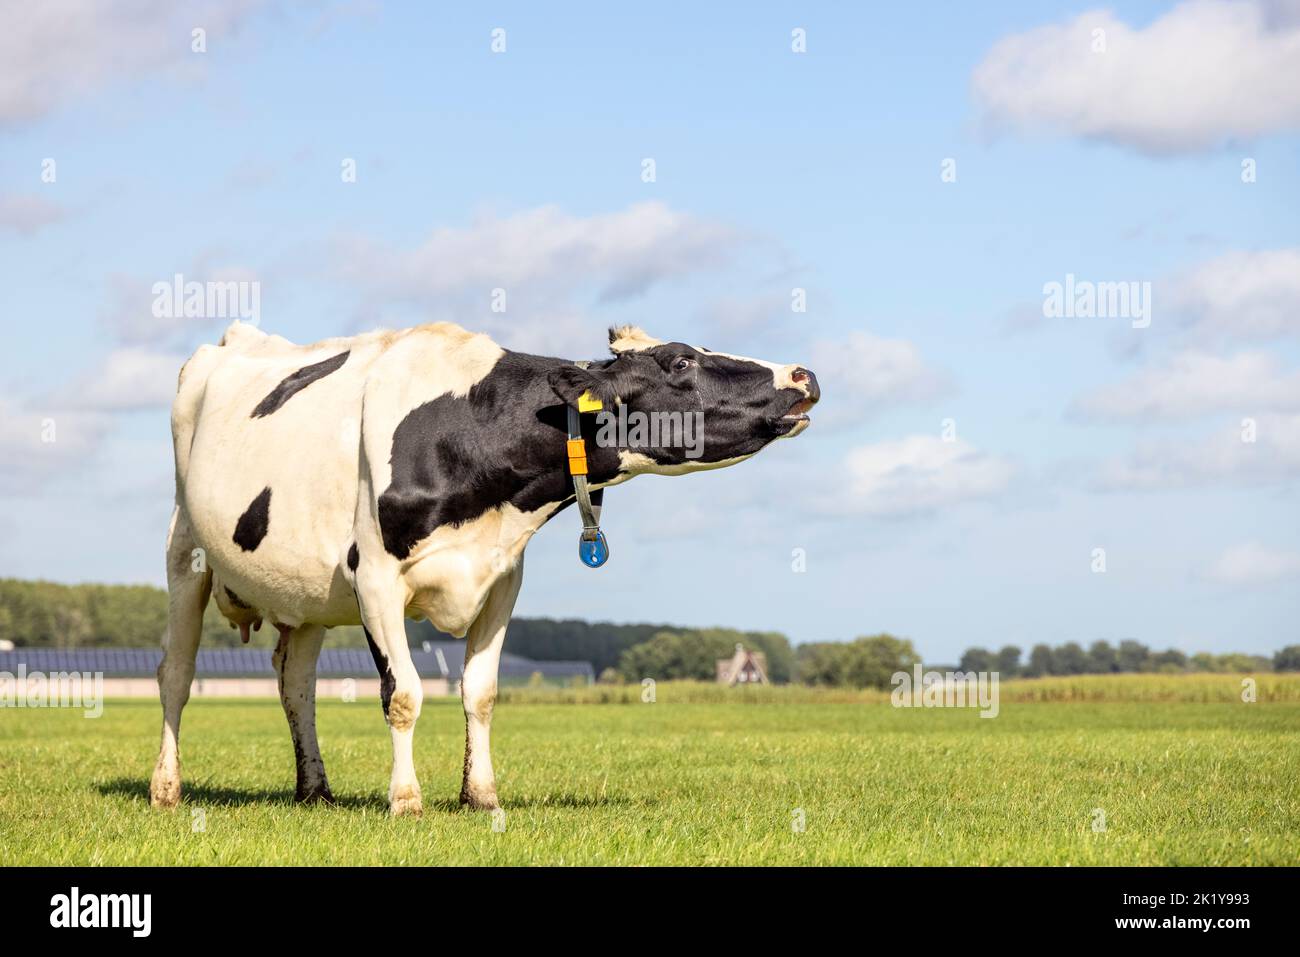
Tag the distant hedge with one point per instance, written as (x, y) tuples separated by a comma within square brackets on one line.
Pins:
[(51, 615), (570, 639), (1128, 657)]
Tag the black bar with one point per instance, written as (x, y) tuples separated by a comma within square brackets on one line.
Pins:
[(900, 905)]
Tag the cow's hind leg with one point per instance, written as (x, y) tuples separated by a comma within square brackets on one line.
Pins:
[(478, 689), (295, 666), (189, 584)]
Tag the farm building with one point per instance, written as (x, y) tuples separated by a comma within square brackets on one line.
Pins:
[(247, 672), (744, 667)]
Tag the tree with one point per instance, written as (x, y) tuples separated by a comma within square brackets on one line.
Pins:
[(1235, 662), (822, 663), (1170, 662), (977, 659), (1070, 659), (874, 660), (866, 662), (1008, 665), (1288, 659), (1102, 659), (669, 655), (1134, 656), (1041, 662)]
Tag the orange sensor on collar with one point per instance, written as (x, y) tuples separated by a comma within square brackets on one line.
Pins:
[(577, 456)]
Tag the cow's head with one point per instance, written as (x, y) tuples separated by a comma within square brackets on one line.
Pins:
[(683, 407)]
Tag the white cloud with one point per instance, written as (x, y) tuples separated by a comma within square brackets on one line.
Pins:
[(1241, 295), (1222, 458), (1254, 295), (921, 473), (866, 373), (540, 256), (1254, 564), (57, 50), (1192, 384), (128, 379), (1206, 72), (550, 265), (26, 214)]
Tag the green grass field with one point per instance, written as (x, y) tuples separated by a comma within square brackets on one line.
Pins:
[(675, 782)]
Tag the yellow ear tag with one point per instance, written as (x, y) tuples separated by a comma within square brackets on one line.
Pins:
[(587, 404)]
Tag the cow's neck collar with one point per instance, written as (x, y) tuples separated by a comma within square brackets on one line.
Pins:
[(593, 549)]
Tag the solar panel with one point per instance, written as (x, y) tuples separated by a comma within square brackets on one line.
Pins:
[(246, 662)]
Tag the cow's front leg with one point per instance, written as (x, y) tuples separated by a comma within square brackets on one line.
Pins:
[(295, 665), (478, 689), (400, 690)]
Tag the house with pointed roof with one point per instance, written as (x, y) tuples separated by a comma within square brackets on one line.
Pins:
[(743, 668)]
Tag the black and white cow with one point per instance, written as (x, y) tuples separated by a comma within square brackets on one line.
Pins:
[(401, 474)]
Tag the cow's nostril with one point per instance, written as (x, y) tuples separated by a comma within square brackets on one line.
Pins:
[(805, 378)]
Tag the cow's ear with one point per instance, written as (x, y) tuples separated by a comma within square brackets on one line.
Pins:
[(570, 382), (630, 339)]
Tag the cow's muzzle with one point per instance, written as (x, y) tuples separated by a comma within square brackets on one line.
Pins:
[(808, 382), (805, 380)]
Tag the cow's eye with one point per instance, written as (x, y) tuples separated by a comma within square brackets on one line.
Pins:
[(682, 363)]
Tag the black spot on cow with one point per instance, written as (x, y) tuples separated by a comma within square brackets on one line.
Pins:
[(236, 600), (386, 680), (293, 384), (455, 458), (252, 525), (354, 557)]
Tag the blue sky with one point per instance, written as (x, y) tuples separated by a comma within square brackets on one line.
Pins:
[(775, 170)]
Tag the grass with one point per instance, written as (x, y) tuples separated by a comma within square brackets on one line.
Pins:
[(1224, 688), (1192, 778)]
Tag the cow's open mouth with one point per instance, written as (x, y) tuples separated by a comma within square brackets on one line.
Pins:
[(799, 411)]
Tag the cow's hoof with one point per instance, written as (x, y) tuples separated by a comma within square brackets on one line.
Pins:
[(318, 794), (480, 801), (406, 802), (165, 791)]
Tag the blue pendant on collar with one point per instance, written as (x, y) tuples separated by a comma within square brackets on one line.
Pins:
[(593, 550)]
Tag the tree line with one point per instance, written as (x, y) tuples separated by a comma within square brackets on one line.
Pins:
[(46, 614), (53, 615), (1103, 658), (42, 614)]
